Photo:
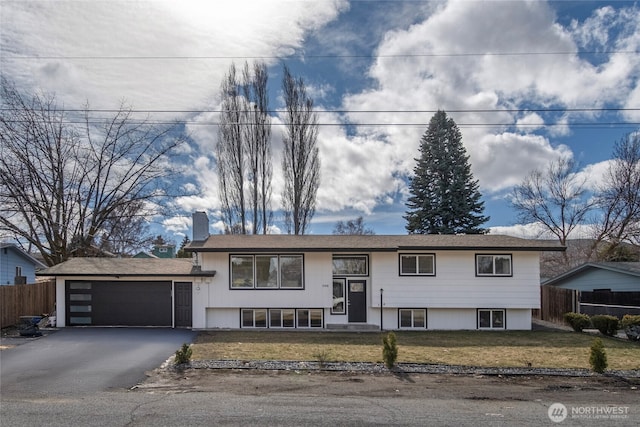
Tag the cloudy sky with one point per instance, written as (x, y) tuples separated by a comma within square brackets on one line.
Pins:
[(525, 81)]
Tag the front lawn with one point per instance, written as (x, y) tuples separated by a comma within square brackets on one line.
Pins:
[(553, 349)]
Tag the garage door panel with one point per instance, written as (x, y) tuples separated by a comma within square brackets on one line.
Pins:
[(127, 304)]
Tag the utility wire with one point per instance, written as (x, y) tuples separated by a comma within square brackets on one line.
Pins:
[(294, 56), (276, 111)]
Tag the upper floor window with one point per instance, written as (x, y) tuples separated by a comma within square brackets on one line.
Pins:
[(350, 265), (417, 265), (493, 265), (267, 271)]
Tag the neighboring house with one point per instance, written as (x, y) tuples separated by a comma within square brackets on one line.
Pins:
[(603, 287), (17, 266), (164, 251), (318, 282)]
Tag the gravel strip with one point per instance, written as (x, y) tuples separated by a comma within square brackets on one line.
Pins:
[(402, 368)]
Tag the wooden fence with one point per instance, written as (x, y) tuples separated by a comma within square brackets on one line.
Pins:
[(26, 300), (555, 302)]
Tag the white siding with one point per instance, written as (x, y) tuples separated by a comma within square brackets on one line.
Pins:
[(519, 319), (451, 319), (61, 303), (451, 296), (223, 318), (455, 284), (316, 292)]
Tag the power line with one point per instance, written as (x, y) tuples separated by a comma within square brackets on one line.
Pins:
[(98, 121), (340, 111), (334, 56)]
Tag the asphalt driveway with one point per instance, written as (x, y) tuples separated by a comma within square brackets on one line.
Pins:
[(73, 361)]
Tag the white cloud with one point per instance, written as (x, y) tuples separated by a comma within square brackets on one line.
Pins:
[(465, 70), (170, 55), (156, 54)]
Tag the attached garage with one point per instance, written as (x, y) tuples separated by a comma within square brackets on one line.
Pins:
[(125, 292)]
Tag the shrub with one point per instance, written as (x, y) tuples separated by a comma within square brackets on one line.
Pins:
[(577, 321), (389, 350), (322, 356), (607, 325), (631, 326), (598, 357), (183, 354), (629, 320)]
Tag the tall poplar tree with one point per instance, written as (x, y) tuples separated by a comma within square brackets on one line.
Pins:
[(300, 159), (444, 195)]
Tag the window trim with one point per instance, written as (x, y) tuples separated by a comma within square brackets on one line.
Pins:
[(413, 327), (254, 283), (494, 255), (491, 310), (343, 282), (416, 255), (343, 256)]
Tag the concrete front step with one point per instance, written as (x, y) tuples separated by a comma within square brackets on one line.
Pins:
[(352, 327)]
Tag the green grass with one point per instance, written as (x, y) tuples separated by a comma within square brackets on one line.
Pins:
[(475, 348)]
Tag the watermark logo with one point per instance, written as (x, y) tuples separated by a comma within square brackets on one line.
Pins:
[(557, 412)]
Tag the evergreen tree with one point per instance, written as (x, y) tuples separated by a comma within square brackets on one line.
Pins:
[(444, 196)]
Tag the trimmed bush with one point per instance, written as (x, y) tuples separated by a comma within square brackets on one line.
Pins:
[(629, 320), (631, 326), (389, 350), (183, 354), (598, 357), (607, 325), (577, 321)]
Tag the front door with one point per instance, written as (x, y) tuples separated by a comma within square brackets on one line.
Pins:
[(357, 300), (183, 303)]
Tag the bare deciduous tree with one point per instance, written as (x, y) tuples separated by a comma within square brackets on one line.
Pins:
[(126, 230), (300, 163), (243, 151), (258, 145), (230, 153), (61, 182), (619, 197), (352, 227), (555, 198)]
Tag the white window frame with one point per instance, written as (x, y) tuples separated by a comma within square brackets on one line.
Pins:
[(413, 316), (493, 265), (253, 317), (492, 319), (282, 311), (417, 257), (309, 323)]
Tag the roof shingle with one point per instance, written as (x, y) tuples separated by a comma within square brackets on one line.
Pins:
[(346, 243)]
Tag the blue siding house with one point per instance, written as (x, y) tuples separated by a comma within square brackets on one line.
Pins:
[(603, 287), (17, 266), (593, 276)]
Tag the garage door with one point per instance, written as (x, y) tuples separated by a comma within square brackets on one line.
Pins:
[(100, 303)]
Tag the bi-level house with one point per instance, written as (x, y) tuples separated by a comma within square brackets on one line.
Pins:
[(311, 282), (391, 282)]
